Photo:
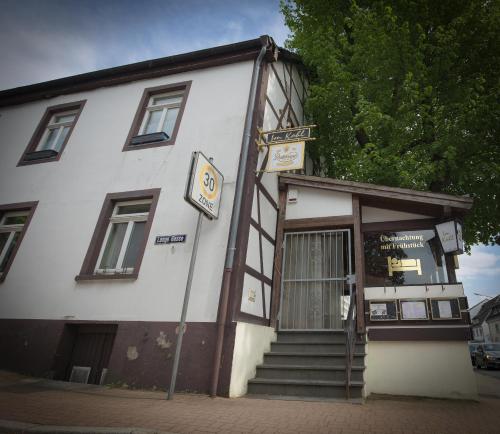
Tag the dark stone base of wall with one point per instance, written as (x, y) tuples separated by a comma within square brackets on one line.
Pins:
[(142, 353)]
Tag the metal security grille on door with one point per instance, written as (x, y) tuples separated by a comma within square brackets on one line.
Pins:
[(314, 294)]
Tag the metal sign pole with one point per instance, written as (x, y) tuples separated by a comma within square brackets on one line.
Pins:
[(184, 308)]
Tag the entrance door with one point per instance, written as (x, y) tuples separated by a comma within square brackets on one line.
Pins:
[(314, 291)]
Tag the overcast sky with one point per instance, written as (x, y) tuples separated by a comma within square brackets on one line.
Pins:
[(46, 39)]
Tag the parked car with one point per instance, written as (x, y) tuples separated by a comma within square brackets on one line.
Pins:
[(472, 351), (488, 356)]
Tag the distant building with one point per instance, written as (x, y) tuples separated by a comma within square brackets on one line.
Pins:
[(486, 321)]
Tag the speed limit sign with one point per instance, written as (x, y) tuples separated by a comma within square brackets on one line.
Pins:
[(204, 187)]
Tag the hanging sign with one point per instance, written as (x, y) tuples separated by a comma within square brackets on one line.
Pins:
[(289, 135), (204, 186), (450, 235), (286, 156)]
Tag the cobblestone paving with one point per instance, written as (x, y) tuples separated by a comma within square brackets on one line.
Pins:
[(51, 403)]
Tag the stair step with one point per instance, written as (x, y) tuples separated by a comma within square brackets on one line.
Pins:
[(321, 389), (320, 336), (311, 359), (300, 372), (315, 347)]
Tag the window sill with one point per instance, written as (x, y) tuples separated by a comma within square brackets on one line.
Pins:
[(41, 160), (130, 147), (131, 276)]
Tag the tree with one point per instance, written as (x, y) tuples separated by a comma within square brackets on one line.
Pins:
[(406, 93)]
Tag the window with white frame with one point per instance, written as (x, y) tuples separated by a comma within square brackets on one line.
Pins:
[(124, 237), (161, 113), (11, 227), (57, 130)]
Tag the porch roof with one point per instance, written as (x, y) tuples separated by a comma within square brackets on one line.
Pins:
[(379, 196)]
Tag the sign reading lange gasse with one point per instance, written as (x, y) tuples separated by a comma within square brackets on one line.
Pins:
[(204, 188)]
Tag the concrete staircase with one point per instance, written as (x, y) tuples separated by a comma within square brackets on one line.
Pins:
[(309, 364)]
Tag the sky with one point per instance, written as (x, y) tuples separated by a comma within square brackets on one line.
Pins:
[(46, 39)]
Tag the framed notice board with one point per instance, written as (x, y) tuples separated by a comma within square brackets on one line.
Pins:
[(414, 309), (445, 309), (384, 310)]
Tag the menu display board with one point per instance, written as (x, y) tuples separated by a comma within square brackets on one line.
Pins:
[(383, 310), (413, 309), (445, 309)]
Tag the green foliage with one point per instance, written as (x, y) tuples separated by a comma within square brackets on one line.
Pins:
[(406, 93)]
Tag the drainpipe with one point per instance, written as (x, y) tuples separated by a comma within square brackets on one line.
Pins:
[(231, 248)]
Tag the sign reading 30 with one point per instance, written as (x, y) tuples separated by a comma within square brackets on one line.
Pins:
[(204, 187)]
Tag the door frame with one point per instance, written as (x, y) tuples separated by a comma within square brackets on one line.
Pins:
[(282, 280)]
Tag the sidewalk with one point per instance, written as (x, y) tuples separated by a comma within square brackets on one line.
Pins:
[(64, 404)]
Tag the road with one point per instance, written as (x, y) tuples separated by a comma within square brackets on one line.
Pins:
[(495, 373)]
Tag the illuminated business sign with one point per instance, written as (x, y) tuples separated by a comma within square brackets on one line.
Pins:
[(450, 235)]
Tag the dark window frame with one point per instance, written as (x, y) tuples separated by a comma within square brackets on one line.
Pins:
[(21, 206), (185, 86), (42, 126), (87, 271)]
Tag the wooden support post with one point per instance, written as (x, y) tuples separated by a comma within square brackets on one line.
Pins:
[(278, 258), (359, 264)]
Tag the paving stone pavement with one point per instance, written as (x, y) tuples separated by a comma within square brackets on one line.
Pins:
[(55, 403)]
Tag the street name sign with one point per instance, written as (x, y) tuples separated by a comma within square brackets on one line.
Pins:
[(170, 239)]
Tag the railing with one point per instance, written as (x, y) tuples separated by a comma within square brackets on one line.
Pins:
[(350, 334)]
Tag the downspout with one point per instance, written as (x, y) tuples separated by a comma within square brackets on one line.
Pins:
[(231, 248)]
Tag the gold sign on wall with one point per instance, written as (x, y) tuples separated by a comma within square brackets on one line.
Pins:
[(395, 264), (286, 156)]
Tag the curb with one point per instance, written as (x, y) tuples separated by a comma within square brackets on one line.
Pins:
[(14, 427)]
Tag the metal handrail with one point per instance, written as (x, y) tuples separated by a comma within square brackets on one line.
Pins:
[(350, 333)]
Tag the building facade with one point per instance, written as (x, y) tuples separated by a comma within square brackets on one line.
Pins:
[(93, 170)]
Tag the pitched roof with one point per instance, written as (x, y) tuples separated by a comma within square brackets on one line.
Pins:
[(486, 310), (221, 55)]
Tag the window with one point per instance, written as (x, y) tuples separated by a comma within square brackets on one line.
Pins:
[(404, 258), (125, 232), (158, 117), (52, 133), (14, 220), (120, 236)]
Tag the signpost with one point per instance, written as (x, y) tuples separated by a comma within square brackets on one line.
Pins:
[(203, 191)]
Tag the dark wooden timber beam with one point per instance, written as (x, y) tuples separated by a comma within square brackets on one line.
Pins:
[(359, 264), (331, 222)]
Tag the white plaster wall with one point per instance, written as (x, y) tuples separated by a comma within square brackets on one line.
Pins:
[(251, 342), (371, 215), (252, 286), (432, 369), (40, 283), (253, 251), (319, 203), (417, 291)]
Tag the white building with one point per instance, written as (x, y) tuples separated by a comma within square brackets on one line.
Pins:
[(94, 168)]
